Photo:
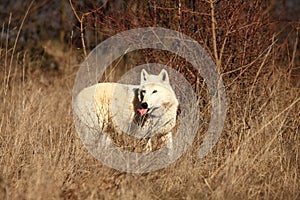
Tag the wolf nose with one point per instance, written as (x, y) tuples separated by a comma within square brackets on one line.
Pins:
[(144, 105)]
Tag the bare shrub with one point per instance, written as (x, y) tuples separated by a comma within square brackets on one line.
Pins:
[(257, 156)]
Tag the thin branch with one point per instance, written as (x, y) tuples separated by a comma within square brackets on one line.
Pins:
[(81, 21), (214, 35), (256, 77)]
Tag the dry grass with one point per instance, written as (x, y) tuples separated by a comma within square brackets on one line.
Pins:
[(42, 157)]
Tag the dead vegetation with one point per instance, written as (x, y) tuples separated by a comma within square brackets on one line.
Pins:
[(256, 157)]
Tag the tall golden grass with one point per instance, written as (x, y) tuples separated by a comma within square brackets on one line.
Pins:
[(42, 157)]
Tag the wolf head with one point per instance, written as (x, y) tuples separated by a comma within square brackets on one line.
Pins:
[(156, 94)]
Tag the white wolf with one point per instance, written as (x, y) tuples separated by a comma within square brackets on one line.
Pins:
[(140, 110)]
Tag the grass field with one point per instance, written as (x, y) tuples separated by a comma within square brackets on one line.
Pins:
[(42, 157)]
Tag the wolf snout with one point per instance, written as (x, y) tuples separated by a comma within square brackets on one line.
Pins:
[(144, 105), (144, 109)]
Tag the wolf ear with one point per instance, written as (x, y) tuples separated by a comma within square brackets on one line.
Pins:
[(144, 76), (164, 77)]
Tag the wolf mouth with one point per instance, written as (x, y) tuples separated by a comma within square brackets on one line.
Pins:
[(148, 111), (142, 111), (141, 117)]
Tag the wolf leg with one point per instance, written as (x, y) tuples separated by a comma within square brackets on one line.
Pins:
[(169, 142), (149, 146)]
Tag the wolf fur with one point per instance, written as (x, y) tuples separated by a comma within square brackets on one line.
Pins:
[(139, 110)]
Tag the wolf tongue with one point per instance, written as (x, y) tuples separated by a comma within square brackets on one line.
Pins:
[(142, 111)]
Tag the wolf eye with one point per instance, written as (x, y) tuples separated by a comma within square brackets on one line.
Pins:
[(154, 91), (143, 93)]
